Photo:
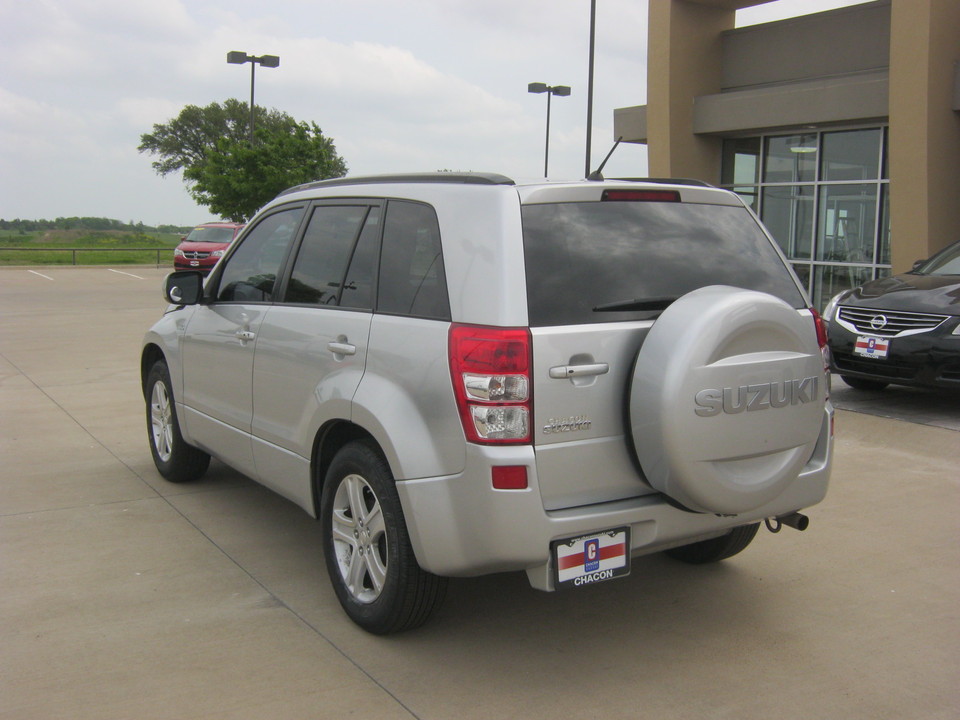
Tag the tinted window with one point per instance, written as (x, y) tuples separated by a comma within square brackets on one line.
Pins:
[(412, 279), (946, 262), (250, 273), (358, 287), (581, 256), (324, 253), (211, 234)]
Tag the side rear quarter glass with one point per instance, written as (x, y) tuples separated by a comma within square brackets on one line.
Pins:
[(412, 277)]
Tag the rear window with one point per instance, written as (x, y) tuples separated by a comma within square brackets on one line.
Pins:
[(596, 262)]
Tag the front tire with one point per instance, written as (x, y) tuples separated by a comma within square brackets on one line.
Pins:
[(368, 553), (715, 549), (176, 460)]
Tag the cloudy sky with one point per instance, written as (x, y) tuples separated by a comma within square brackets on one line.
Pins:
[(411, 85)]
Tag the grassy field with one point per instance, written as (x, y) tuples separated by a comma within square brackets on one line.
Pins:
[(84, 247)]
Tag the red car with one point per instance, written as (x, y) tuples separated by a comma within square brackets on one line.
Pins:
[(205, 245)]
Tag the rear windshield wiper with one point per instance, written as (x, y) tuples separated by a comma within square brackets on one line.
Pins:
[(642, 304)]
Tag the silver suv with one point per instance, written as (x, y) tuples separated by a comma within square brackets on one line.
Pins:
[(459, 375)]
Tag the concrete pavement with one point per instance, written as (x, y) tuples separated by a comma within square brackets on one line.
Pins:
[(123, 596)]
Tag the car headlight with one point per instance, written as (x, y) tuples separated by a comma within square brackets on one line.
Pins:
[(177, 252), (956, 330), (831, 307), (217, 253)]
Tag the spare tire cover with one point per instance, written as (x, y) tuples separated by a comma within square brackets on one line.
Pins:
[(727, 398)]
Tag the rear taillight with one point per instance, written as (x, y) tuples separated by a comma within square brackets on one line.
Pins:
[(821, 328), (490, 369)]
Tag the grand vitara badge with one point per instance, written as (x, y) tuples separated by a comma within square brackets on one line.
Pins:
[(751, 398), (568, 424)]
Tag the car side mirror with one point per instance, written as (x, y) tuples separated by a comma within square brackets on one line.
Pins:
[(183, 287), (918, 263)]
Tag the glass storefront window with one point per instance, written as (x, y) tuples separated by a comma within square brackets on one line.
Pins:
[(851, 155), (788, 215), (741, 161), (886, 154), (828, 280), (824, 196), (791, 159), (883, 251), (846, 226)]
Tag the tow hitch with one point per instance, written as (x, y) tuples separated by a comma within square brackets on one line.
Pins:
[(795, 520)]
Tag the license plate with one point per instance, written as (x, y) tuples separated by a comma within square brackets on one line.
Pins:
[(872, 347), (590, 559)]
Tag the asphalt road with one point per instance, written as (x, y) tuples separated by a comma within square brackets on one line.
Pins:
[(124, 596)]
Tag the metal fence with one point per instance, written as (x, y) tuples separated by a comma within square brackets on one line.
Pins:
[(76, 252)]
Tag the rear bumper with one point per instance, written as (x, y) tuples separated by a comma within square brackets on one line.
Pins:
[(460, 526)]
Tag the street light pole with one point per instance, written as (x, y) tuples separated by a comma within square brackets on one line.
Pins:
[(562, 91), (593, 35), (235, 57)]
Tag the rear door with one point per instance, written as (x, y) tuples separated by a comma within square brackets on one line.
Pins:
[(601, 265), (312, 347)]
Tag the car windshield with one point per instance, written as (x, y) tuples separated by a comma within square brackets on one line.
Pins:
[(601, 262), (946, 262), (211, 235)]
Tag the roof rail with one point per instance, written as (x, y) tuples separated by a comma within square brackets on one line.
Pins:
[(455, 178)]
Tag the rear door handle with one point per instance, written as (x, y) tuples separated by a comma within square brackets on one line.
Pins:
[(562, 372), (246, 335), (342, 348)]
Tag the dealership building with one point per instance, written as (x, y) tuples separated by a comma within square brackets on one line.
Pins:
[(841, 129)]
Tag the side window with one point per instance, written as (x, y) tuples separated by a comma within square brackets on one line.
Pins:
[(412, 279), (325, 251), (251, 271), (362, 273)]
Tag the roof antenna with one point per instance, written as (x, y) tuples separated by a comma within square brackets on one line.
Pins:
[(596, 175)]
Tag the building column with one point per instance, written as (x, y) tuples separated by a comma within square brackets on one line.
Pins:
[(924, 129), (684, 61)]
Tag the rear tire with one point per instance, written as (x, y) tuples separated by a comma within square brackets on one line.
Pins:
[(862, 384), (369, 557), (177, 461), (716, 549)]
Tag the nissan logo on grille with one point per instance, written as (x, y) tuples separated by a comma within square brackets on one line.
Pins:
[(750, 398), (878, 322)]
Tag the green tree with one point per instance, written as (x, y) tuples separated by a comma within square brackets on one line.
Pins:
[(211, 146), (185, 141), (238, 178)]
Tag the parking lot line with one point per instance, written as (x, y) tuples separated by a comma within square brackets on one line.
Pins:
[(121, 272), (40, 274)]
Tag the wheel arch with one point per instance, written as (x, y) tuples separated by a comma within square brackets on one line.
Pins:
[(329, 440), (149, 356)]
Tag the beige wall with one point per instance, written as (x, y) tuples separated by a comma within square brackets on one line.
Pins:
[(924, 130), (685, 61)]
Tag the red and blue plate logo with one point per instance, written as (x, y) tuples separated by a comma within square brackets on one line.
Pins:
[(592, 558), (872, 347)]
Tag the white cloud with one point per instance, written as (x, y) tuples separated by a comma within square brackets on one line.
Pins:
[(419, 85)]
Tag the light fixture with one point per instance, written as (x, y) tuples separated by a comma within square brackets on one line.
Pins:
[(236, 57)]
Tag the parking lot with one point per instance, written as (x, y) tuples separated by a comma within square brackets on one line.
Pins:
[(125, 596)]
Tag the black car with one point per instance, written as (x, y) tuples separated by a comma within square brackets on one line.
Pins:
[(903, 329)]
